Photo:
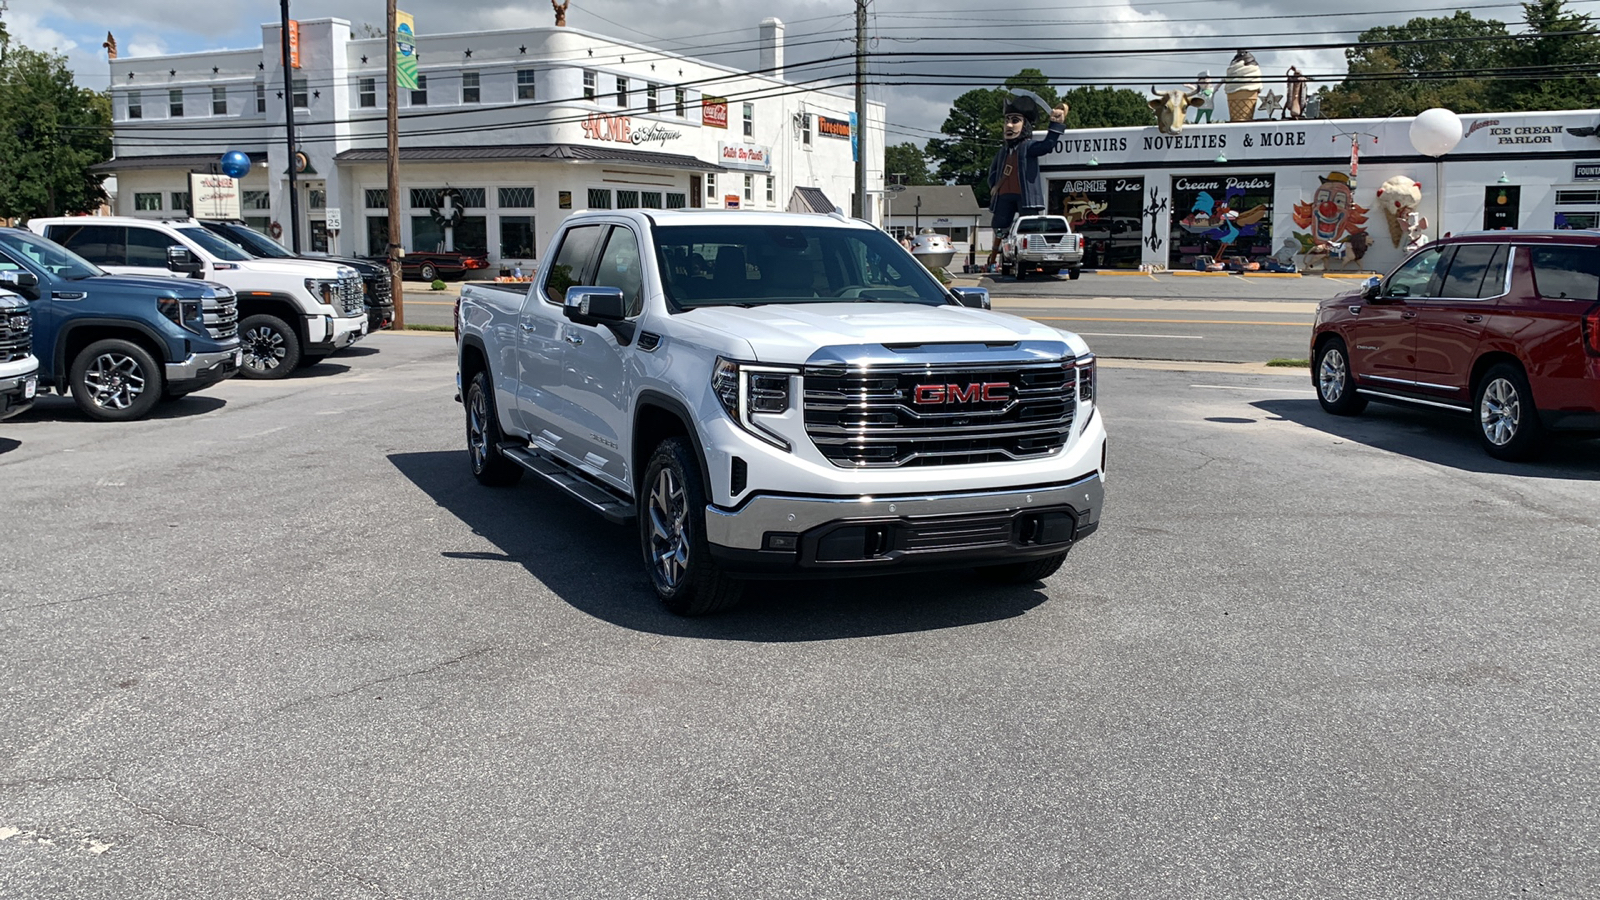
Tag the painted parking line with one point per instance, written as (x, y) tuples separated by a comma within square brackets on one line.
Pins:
[(1234, 387), (1179, 337), (1167, 321)]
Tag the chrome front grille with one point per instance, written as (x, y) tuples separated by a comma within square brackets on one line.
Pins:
[(939, 415), (221, 316), (379, 293), (351, 296), (16, 335)]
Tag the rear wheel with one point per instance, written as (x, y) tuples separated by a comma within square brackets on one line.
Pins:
[(115, 381), (429, 272), (484, 437), (271, 348), (1020, 270), (1074, 273), (1335, 384), (1508, 423), (1023, 572), (672, 535)]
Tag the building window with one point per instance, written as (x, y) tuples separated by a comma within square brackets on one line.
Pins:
[(377, 235), (516, 238), (255, 200), (377, 198), (135, 105), (302, 98), (470, 91), (525, 88), (622, 91), (426, 198), (180, 201), (367, 93), (680, 102), (677, 201), (650, 92), (627, 199), (472, 197), (770, 190), (588, 85), (650, 199), (219, 101), (175, 104), (316, 198), (749, 188), (150, 202), (599, 198), (711, 185), (419, 97), (749, 120), (516, 198), (261, 98), (805, 129)]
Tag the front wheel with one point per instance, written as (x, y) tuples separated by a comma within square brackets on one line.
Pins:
[(271, 348), (1508, 423), (1335, 384), (1023, 572), (429, 273), (672, 535), (115, 381), (483, 437)]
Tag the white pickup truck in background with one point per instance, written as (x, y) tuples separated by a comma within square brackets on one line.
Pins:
[(1041, 244), (781, 395)]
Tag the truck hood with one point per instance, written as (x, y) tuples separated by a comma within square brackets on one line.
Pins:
[(301, 268), (791, 333), (175, 285)]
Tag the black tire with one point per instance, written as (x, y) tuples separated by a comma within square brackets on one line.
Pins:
[(484, 437), (114, 380), (1019, 270), (1074, 273), (1333, 380), (672, 535), (429, 272), (1025, 572), (271, 348), (1507, 419)]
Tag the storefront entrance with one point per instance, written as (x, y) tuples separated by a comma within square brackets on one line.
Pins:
[(1227, 215), (1106, 211)]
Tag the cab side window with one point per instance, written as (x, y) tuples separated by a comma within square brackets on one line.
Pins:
[(1567, 273), (1417, 276), (148, 247), (620, 268), (1476, 270), (102, 245), (572, 262)]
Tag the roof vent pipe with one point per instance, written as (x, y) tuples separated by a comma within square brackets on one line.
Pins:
[(772, 48)]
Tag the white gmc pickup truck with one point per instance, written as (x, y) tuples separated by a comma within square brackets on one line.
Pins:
[(781, 395)]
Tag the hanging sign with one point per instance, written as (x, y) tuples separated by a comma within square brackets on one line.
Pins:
[(214, 196), (834, 128), (405, 51), (744, 156), (294, 44), (714, 112)]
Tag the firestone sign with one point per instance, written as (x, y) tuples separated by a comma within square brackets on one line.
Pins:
[(745, 156)]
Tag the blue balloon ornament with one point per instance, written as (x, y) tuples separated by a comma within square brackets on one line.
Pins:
[(235, 164)]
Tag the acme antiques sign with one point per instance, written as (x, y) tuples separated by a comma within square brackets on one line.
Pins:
[(601, 127)]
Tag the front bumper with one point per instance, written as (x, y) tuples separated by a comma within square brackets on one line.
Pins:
[(201, 369), (340, 331), (17, 393), (776, 535)]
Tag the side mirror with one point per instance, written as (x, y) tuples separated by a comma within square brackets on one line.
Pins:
[(975, 297), (19, 280), (1373, 287), (594, 305), (179, 259)]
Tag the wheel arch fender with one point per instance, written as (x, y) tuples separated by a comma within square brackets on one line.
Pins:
[(656, 417), (79, 333), (1491, 358), (274, 303), (471, 357)]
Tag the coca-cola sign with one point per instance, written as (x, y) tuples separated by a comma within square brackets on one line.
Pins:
[(714, 112)]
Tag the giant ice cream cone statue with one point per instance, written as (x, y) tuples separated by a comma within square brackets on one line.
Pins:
[(1242, 84), (1399, 196)]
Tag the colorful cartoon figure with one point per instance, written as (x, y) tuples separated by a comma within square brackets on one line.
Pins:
[(1332, 215), (1015, 187), (1079, 209), (1203, 97)]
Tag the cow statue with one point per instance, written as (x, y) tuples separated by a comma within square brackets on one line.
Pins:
[(1171, 108)]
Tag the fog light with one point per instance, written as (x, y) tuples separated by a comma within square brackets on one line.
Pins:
[(781, 540)]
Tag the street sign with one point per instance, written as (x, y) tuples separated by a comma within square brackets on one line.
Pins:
[(333, 217), (895, 188)]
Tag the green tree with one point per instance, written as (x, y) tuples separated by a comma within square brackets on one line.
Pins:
[(51, 133), (1552, 70), (906, 164), (1089, 107), (1405, 79), (974, 132)]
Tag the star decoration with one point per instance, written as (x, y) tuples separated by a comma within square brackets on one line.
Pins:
[(172, 71), (363, 60), (316, 95), (591, 51), (280, 95), (469, 53), (624, 59), (261, 65), (652, 67), (214, 70), (523, 49), (1271, 103)]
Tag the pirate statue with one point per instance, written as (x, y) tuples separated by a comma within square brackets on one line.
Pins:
[(1014, 185)]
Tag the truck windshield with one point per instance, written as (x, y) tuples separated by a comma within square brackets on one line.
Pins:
[(48, 255), (214, 245), (252, 241), (1042, 225), (739, 265)]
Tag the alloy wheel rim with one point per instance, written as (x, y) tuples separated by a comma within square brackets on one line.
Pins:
[(1500, 412), (115, 380), (1330, 376), (264, 350), (477, 438), (669, 542)]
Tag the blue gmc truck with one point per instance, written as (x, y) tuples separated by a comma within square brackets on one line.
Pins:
[(119, 343)]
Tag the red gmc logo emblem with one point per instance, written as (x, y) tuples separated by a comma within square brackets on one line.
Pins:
[(977, 392)]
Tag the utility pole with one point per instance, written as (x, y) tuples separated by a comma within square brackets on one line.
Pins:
[(859, 203), (288, 130), (392, 99)]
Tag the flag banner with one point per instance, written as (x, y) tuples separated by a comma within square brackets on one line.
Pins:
[(405, 51)]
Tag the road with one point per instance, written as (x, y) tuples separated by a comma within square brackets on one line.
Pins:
[(1242, 319), (278, 643)]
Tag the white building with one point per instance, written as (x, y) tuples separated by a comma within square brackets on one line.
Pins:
[(1143, 197), (507, 132)]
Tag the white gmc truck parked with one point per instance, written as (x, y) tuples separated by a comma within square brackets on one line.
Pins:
[(781, 395), (292, 312)]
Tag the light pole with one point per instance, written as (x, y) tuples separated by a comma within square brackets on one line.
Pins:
[(288, 128)]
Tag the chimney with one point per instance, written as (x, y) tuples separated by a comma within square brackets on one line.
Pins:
[(772, 47)]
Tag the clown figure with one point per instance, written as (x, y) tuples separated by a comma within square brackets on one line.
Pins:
[(1014, 184)]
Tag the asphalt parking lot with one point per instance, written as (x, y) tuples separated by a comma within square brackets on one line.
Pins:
[(277, 642)]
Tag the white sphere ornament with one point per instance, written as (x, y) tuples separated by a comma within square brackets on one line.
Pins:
[(1435, 132)]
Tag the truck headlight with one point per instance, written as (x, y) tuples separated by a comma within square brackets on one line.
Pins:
[(1086, 377), (186, 314), (324, 292), (748, 392)]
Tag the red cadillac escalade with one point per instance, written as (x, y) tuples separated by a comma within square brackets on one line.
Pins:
[(1502, 325)]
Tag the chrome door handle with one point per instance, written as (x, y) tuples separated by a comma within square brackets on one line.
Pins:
[(1408, 315), (528, 328), (574, 339), (1473, 318)]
